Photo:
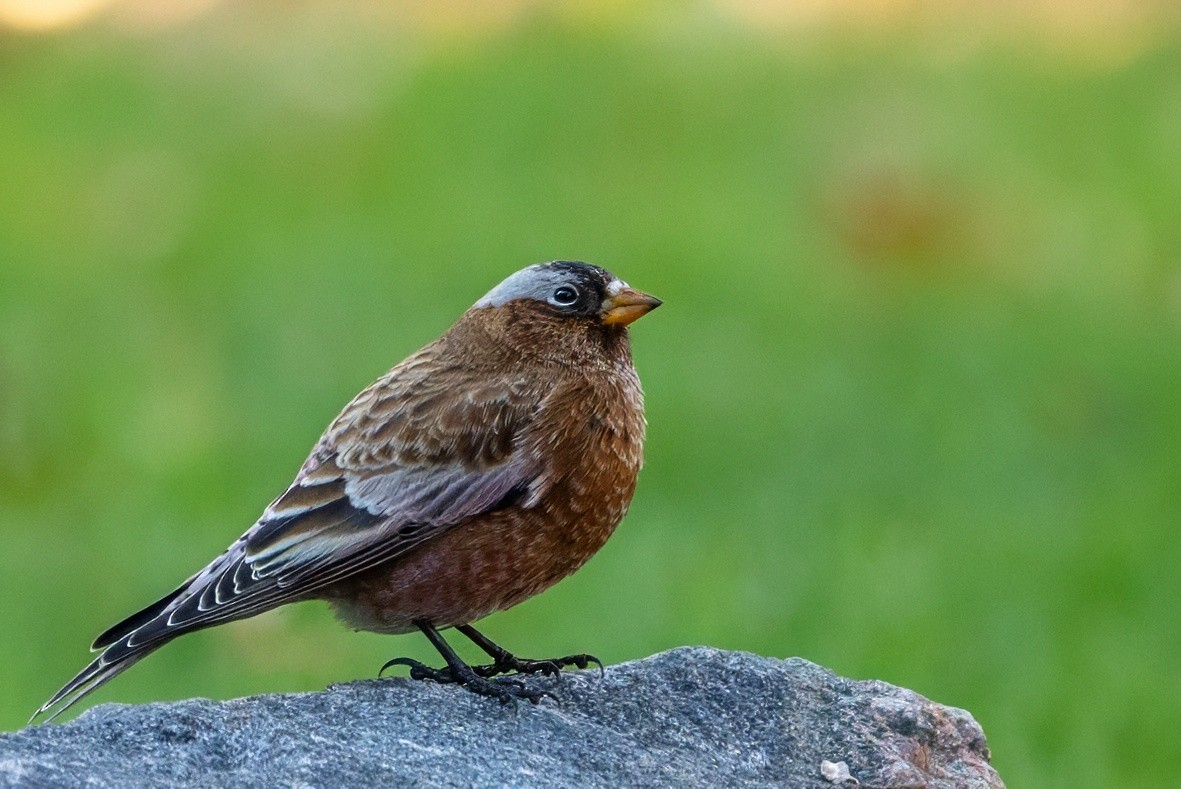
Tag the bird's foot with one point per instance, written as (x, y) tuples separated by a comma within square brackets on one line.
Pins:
[(505, 662), (504, 689), (511, 664)]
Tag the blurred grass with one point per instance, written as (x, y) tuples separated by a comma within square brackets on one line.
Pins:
[(913, 398)]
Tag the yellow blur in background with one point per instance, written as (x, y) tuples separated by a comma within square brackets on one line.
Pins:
[(913, 396)]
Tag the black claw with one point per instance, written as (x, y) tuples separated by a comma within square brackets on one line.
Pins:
[(398, 661), (486, 680), (581, 662), (510, 664), (504, 689), (419, 670), (588, 659)]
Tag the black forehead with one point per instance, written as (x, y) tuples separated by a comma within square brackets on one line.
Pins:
[(583, 273)]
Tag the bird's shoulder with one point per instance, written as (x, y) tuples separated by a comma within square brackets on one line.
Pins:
[(433, 409)]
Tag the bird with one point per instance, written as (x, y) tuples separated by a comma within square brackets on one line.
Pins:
[(476, 473)]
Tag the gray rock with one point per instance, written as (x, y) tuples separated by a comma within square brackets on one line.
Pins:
[(688, 717)]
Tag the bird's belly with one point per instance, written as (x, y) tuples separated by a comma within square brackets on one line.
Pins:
[(490, 563)]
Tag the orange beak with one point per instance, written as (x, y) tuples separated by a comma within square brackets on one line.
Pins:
[(626, 306)]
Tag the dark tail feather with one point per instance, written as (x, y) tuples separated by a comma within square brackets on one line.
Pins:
[(146, 628), (118, 632), (114, 660), (210, 597)]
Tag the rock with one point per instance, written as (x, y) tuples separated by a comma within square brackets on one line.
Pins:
[(688, 717)]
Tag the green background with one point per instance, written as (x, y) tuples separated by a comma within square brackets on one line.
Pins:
[(913, 396)]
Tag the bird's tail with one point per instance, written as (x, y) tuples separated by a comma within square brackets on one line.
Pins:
[(122, 646), (114, 660)]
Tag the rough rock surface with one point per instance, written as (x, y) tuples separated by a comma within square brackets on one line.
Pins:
[(687, 717)]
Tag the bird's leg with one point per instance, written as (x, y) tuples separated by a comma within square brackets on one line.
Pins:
[(461, 673), (504, 662)]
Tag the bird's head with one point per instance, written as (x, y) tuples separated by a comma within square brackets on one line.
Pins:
[(562, 308), (566, 289)]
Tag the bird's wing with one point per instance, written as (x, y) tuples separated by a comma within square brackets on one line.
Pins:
[(424, 448)]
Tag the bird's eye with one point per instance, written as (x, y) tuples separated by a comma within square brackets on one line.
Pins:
[(564, 296)]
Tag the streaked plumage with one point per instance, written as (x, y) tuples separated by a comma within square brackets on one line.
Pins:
[(478, 472)]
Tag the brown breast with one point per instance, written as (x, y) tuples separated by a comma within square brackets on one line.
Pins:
[(589, 437)]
